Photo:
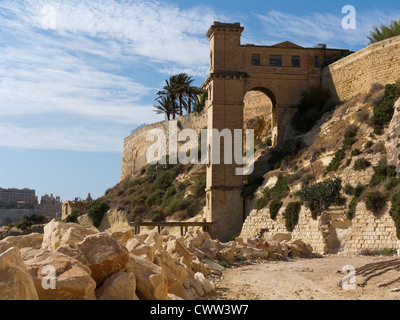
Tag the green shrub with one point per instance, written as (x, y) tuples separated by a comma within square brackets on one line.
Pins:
[(73, 217), (97, 211), (395, 212), (201, 186), (358, 190), (361, 164), (164, 180), (313, 104), (30, 220), (320, 196), (168, 195), (156, 215), (355, 152), (266, 143), (375, 201), (381, 172), (291, 215), (368, 144), (155, 198), (348, 189), (274, 208), (352, 208), (392, 183), (349, 140), (138, 210), (140, 200), (179, 203), (283, 152), (384, 32), (278, 192), (384, 109)]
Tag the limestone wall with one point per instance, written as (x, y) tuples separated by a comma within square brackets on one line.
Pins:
[(332, 232), (377, 63), (135, 146)]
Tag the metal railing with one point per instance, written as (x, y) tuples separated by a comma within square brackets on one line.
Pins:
[(138, 128)]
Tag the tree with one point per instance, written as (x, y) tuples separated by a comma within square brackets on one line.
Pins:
[(384, 32), (165, 106)]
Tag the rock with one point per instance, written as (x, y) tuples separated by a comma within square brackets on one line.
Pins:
[(207, 285), (15, 281), (138, 247), (253, 253), (154, 240), (120, 286), (177, 251), (5, 245), (209, 248), (175, 272), (282, 237), (198, 266), (213, 265), (173, 297), (73, 279), (298, 248), (150, 278), (198, 287), (101, 253), (32, 240), (57, 234), (123, 236)]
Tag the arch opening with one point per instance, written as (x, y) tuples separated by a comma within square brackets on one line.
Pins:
[(259, 114)]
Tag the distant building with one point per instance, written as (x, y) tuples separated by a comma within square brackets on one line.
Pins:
[(51, 205), (18, 196)]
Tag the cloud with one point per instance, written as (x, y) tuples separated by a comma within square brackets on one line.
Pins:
[(85, 84), (327, 28)]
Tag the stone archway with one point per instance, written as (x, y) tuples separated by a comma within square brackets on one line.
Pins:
[(259, 114)]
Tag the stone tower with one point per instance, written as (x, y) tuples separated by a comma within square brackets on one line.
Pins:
[(225, 111)]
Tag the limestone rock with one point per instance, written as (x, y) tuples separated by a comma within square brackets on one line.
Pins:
[(207, 285), (298, 248), (5, 245), (123, 236), (15, 281), (72, 281), (120, 286), (282, 237), (101, 253), (253, 253), (32, 240), (150, 278), (58, 233), (138, 247), (175, 272)]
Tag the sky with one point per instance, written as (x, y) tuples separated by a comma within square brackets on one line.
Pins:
[(77, 76)]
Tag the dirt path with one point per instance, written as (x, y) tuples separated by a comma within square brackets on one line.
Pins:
[(304, 279)]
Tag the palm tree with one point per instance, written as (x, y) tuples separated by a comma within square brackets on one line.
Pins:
[(384, 32), (169, 91), (165, 106)]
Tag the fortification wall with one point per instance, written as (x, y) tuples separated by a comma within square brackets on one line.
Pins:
[(377, 63), (136, 146)]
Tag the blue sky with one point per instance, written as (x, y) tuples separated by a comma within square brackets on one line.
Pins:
[(71, 93)]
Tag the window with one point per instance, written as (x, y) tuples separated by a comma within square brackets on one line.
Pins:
[(255, 60), (275, 61), (295, 61), (316, 61)]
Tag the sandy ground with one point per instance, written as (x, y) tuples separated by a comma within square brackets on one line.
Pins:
[(305, 279)]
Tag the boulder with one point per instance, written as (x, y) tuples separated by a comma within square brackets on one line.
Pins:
[(298, 248), (15, 281), (209, 248), (175, 272), (279, 237), (150, 278), (58, 233), (154, 240), (179, 252), (72, 279), (32, 240), (5, 245), (120, 286), (138, 247), (123, 236), (253, 253), (207, 285), (101, 253)]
